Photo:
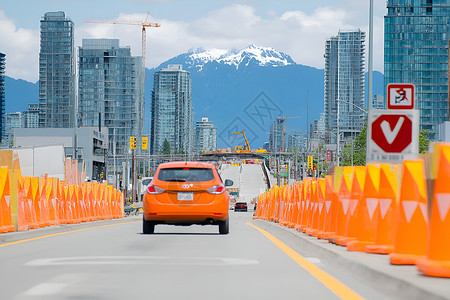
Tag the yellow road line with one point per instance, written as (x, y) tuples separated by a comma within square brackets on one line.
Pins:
[(337, 287), (60, 233)]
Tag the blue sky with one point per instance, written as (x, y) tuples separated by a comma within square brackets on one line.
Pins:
[(297, 27)]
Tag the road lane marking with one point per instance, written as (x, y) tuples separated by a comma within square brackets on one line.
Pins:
[(55, 285), (313, 260), (337, 287), (61, 233), (140, 260), (46, 288)]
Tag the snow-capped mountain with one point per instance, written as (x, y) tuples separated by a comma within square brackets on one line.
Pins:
[(261, 56)]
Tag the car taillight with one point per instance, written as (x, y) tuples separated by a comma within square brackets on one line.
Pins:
[(218, 189), (153, 189)]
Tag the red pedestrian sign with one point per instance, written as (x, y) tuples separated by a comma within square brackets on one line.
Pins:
[(392, 135), (400, 96)]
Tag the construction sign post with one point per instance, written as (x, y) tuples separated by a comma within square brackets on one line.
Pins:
[(310, 162), (400, 96), (144, 143), (392, 135)]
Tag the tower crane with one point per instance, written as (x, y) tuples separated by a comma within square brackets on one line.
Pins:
[(144, 25), (284, 128)]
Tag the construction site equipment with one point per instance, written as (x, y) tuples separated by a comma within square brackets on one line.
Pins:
[(245, 138), (283, 119), (144, 25)]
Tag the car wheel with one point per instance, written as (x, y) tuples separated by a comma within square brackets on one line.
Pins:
[(148, 227), (224, 226)]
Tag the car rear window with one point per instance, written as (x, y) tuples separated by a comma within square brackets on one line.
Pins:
[(186, 174), (146, 181)]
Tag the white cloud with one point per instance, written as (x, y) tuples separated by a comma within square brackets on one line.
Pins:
[(299, 34), (21, 47)]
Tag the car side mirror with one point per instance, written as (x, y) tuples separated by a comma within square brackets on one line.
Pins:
[(228, 182)]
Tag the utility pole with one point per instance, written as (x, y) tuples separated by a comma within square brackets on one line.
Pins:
[(338, 133), (369, 100), (133, 173), (307, 122)]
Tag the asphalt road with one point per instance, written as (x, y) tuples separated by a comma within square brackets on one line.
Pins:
[(116, 261)]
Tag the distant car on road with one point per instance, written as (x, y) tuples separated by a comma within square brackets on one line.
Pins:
[(240, 206), (186, 193)]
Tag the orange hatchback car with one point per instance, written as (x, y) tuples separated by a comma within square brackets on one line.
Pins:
[(186, 193)]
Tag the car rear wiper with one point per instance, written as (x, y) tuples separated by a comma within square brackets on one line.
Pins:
[(176, 180)]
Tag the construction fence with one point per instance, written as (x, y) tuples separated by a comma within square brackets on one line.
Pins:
[(34, 202), (400, 210)]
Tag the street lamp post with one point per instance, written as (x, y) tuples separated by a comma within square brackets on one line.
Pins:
[(369, 100)]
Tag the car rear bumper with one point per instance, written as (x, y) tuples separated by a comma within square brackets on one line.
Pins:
[(191, 218)]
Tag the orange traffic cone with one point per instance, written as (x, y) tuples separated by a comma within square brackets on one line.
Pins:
[(410, 237), (386, 211), (437, 261), (357, 187), (344, 178), (313, 204), (51, 191), (30, 212), (329, 209), (5, 203), (23, 208), (366, 211), (300, 205), (306, 206), (318, 217), (44, 201)]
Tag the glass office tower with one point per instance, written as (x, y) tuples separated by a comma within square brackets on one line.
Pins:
[(172, 112), (205, 136), (2, 95), (111, 94), (344, 81), (56, 72), (276, 135), (416, 33)]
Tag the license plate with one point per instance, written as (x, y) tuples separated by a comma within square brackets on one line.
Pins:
[(185, 196)]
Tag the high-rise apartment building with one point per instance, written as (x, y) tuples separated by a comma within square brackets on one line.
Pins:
[(30, 117), (276, 136), (378, 102), (416, 34), (296, 141), (111, 93), (25, 119), (56, 72), (11, 121), (2, 94), (205, 136), (172, 112), (344, 85)]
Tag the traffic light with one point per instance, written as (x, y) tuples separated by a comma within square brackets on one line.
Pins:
[(310, 162), (144, 143), (133, 144)]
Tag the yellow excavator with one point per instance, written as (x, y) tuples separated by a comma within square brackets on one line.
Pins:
[(241, 149)]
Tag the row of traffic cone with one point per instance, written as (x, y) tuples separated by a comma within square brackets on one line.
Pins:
[(379, 208), (48, 201)]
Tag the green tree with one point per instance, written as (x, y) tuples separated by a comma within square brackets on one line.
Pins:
[(166, 147), (359, 150), (424, 141)]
